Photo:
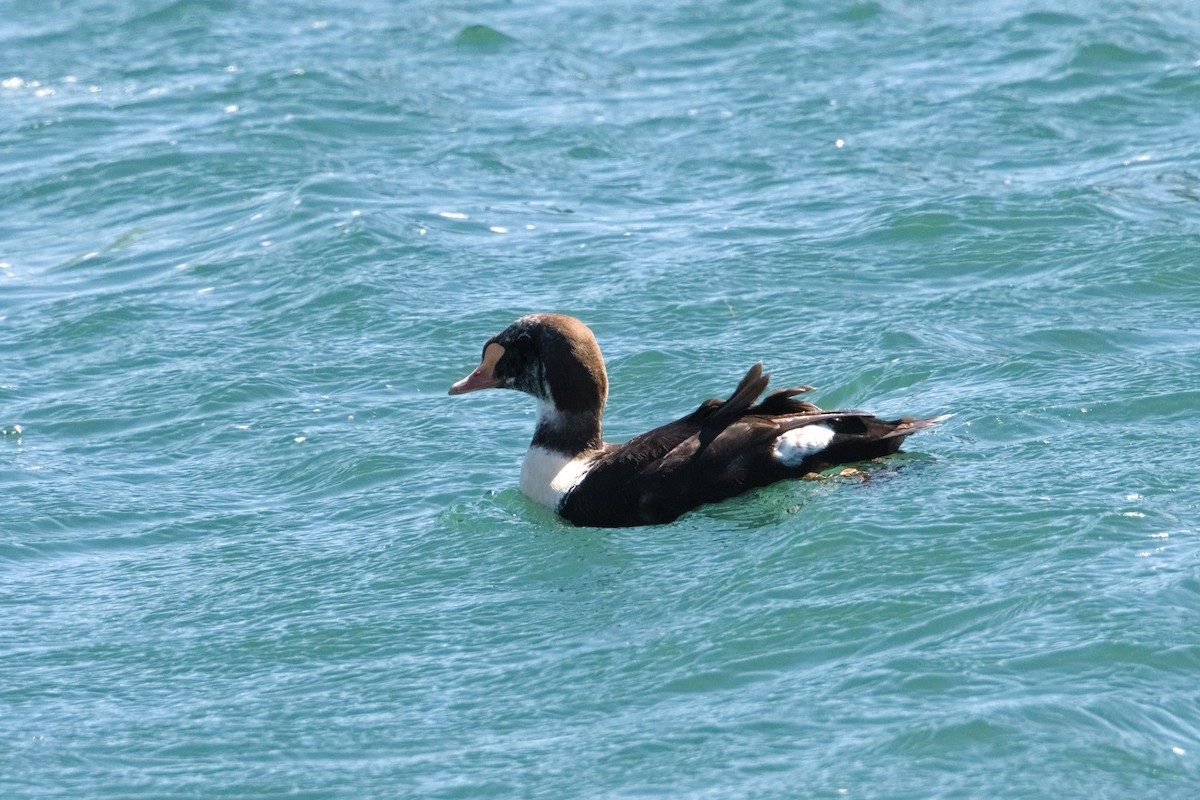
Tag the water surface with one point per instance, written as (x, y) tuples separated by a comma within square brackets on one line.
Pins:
[(251, 549)]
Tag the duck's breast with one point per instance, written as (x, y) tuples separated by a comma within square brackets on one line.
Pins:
[(547, 476)]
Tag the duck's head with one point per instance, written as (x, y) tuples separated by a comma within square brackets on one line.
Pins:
[(553, 357)]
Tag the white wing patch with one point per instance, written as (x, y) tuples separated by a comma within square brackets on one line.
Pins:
[(798, 444), (546, 476)]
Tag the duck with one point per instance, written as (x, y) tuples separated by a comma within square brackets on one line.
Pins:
[(722, 449)]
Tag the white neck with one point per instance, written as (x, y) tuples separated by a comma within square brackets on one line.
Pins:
[(547, 476)]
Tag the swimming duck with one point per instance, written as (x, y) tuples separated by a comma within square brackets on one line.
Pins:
[(722, 449)]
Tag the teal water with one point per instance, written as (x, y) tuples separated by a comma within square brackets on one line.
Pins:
[(249, 548)]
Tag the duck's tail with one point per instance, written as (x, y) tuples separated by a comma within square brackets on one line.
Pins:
[(907, 425)]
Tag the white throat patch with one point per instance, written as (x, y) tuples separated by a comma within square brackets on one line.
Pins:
[(546, 476), (798, 444)]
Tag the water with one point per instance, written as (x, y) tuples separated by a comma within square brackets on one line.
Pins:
[(250, 549)]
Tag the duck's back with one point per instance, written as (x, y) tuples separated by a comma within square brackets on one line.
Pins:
[(721, 450)]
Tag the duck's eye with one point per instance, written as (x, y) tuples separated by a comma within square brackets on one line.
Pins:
[(524, 340)]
